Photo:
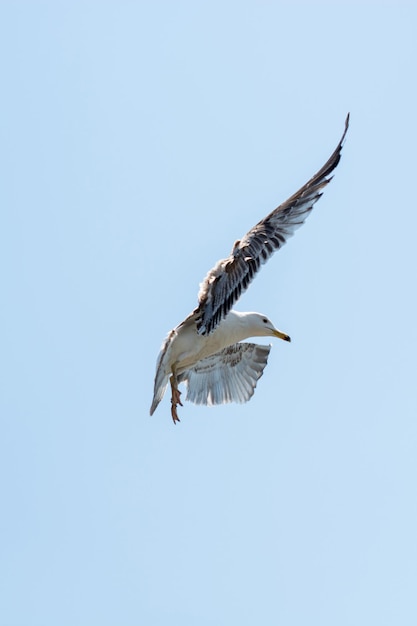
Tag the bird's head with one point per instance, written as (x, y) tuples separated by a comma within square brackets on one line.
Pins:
[(261, 326)]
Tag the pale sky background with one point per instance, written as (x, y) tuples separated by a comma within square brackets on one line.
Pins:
[(138, 141)]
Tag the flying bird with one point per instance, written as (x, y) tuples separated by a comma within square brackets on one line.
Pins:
[(206, 351)]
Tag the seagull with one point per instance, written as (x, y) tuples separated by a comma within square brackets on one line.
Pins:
[(207, 351)]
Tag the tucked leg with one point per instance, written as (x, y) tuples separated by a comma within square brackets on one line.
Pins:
[(175, 396)]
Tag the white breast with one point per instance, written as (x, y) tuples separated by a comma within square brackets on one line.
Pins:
[(188, 347)]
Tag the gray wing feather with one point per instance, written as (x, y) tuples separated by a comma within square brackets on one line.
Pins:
[(230, 375), (230, 277)]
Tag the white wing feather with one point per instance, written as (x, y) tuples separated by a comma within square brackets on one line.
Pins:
[(230, 375)]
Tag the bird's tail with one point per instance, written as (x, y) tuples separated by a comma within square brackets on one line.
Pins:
[(161, 382)]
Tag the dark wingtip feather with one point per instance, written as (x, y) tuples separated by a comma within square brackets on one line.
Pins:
[(347, 121)]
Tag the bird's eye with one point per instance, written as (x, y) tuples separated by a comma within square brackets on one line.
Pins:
[(265, 321)]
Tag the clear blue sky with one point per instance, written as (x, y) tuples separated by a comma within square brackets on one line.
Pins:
[(138, 141)]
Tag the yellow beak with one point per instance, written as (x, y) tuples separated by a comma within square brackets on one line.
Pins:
[(280, 335)]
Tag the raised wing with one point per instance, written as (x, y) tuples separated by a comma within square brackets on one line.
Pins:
[(230, 277), (230, 375)]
